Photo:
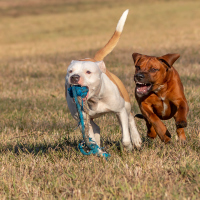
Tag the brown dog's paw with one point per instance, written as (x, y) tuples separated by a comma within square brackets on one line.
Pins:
[(182, 139), (181, 124), (182, 142), (167, 140), (167, 137), (151, 135)]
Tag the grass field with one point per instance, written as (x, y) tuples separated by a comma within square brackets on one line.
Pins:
[(39, 158)]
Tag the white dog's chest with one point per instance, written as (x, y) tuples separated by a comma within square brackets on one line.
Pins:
[(98, 109)]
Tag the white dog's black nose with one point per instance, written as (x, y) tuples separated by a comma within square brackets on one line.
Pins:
[(75, 78)]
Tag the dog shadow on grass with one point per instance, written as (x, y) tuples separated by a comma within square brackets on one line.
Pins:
[(63, 144), (66, 145)]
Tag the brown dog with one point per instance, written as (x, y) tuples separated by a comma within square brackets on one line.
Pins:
[(159, 93)]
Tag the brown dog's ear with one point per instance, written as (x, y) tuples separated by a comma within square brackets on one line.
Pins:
[(136, 57), (169, 59)]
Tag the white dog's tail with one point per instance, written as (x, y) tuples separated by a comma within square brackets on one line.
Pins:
[(102, 53)]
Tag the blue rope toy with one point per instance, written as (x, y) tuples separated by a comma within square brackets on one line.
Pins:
[(78, 91)]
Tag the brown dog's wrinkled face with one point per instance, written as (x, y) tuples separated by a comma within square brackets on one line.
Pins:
[(151, 72)]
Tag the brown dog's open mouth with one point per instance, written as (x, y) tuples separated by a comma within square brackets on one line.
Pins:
[(143, 88)]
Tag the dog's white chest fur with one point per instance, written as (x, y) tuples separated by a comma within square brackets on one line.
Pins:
[(164, 106)]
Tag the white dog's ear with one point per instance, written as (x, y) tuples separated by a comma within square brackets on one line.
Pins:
[(101, 66), (72, 61)]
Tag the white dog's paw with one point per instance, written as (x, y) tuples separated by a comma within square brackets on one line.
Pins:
[(137, 142), (128, 146)]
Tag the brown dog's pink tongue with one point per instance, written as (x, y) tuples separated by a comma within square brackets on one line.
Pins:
[(142, 89)]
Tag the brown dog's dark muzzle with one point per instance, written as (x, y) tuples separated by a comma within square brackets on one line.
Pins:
[(75, 79), (139, 77)]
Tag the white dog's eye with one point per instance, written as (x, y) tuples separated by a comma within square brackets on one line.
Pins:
[(70, 71), (88, 72)]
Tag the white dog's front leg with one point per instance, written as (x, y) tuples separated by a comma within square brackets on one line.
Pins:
[(126, 140), (135, 137), (94, 134), (95, 130)]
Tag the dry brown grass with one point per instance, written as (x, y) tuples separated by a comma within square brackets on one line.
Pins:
[(39, 155)]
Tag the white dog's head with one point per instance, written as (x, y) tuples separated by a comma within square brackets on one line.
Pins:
[(85, 73)]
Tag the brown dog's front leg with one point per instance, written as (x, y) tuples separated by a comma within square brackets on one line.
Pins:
[(157, 124), (181, 114), (181, 134), (181, 121), (150, 130)]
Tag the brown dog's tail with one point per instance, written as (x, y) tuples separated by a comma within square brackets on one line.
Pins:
[(102, 53)]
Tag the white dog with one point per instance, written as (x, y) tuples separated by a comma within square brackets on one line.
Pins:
[(106, 92)]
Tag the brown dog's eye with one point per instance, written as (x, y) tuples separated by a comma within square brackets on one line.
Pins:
[(137, 68), (70, 71), (153, 70), (88, 72)]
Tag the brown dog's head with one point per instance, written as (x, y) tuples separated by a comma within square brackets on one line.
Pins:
[(152, 72)]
